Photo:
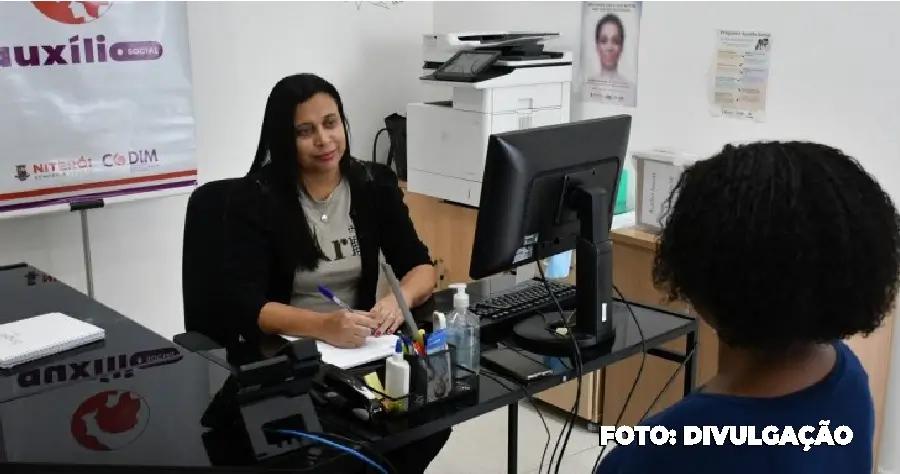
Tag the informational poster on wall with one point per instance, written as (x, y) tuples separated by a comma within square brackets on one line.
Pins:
[(741, 78), (96, 102), (609, 52)]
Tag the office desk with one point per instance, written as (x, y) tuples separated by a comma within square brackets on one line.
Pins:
[(136, 399)]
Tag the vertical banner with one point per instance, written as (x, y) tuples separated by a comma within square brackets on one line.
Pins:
[(741, 80), (96, 103), (609, 51)]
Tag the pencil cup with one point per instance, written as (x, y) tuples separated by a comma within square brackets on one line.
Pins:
[(432, 376), (433, 379)]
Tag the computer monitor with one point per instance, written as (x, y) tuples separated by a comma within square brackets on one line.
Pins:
[(547, 190)]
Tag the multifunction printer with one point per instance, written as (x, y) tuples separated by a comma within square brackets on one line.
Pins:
[(496, 82)]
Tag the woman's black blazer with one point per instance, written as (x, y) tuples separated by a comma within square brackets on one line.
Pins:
[(261, 257)]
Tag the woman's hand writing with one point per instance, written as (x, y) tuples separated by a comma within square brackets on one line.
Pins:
[(347, 329)]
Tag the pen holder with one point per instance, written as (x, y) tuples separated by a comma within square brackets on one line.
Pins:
[(433, 378)]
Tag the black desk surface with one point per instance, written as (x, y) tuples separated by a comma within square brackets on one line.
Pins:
[(136, 398)]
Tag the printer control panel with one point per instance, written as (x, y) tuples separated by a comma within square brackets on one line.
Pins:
[(466, 66)]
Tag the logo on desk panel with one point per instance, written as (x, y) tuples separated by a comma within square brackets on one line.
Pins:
[(110, 420), (104, 369), (32, 278)]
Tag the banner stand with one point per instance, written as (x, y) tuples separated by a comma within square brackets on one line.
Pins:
[(143, 48), (82, 209)]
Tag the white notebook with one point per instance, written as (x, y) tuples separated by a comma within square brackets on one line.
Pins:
[(375, 348), (40, 336)]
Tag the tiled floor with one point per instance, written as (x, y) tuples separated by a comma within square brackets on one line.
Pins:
[(479, 445)]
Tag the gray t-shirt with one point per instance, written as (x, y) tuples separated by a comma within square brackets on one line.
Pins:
[(333, 229)]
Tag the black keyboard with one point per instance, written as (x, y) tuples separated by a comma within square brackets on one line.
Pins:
[(524, 299)]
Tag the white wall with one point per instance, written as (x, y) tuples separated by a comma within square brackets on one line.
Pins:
[(833, 85), (239, 51)]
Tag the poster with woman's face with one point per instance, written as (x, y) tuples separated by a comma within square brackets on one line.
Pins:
[(609, 51)]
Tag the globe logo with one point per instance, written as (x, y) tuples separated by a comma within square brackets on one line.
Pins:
[(72, 13), (110, 420)]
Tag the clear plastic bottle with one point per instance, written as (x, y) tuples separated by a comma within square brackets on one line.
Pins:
[(464, 332)]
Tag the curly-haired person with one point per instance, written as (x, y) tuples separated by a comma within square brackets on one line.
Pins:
[(785, 249)]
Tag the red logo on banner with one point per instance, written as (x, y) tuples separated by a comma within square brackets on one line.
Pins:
[(72, 13), (110, 420)]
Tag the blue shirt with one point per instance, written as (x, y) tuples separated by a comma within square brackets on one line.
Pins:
[(842, 398)]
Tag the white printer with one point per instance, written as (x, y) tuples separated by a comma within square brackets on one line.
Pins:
[(496, 82)]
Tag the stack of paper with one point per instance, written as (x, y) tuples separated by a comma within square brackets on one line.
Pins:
[(375, 348), (41, 336)]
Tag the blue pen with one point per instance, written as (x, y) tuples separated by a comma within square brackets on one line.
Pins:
[(334, 299), (407, 342)]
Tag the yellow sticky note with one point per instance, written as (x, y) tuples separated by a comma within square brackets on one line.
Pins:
[(374, 382)]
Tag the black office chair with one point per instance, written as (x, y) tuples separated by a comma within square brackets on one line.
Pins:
[(201, 265)]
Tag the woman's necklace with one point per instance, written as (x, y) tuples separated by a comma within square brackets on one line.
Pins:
[(323, 206)]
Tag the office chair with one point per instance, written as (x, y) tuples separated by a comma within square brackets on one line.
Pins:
[(201, 265)]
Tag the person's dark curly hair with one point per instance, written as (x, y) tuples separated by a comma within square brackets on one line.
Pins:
[(778, 244)]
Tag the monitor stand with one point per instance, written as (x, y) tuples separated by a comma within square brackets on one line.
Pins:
[(592, 328)]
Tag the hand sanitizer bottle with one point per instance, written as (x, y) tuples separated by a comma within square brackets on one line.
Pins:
[(463, 329)]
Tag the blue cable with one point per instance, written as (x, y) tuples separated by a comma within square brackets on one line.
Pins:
[(327, 442)]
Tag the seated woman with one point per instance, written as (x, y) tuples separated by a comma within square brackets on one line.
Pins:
[(784, 249), (309, 214)]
